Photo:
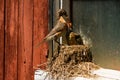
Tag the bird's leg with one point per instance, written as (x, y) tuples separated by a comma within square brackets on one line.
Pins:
[(57, 42), (55, 39)]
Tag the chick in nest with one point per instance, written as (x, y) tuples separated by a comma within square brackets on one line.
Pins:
[(74, 39)]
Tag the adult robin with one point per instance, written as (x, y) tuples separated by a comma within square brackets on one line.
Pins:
[(63, 13), (61, 28)]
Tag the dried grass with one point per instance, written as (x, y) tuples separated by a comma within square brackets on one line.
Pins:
[(72, 61)]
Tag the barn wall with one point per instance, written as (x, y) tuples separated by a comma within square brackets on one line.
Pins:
[(25, 31), (1, 39), (40, 31), (23, 24)]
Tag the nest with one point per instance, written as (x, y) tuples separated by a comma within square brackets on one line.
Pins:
[(72, 61)]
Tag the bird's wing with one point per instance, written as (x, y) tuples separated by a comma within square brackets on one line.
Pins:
[(56, 31), (58, 27)]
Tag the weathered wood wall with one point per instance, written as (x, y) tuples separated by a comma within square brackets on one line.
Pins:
[(2, 39), (23, 24)]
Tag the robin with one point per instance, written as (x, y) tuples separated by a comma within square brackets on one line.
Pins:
[(63, 13), (74, 39), (62, 26)]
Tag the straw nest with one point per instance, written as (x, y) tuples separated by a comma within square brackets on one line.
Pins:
[(72, 61)]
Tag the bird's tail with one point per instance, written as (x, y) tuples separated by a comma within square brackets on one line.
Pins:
[(40, 43)]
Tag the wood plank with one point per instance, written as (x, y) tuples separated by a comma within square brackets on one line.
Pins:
[(40, 31), (25, 52), (1, 39), (28, 26), (21, 57), (11, 18)]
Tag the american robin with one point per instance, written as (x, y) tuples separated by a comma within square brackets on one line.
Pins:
[(63, 13), (74, 39), (62, 26), (66, 19)]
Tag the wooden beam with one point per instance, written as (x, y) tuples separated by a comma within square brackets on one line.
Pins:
[(25, 49), (11, 19), (40, 31), (2, 39)]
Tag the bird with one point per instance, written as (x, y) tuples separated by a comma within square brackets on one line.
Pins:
[(75, 39), (63, 13), (63, 24)]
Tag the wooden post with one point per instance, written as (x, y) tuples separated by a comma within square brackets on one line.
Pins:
[(11, 20), (25, 50), (2, 39), (40, 31), (18, 37)]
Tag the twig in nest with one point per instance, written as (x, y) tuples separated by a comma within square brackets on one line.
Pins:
[(71, 62), (42, 64)]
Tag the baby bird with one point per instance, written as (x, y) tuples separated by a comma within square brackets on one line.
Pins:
[(75, 39)]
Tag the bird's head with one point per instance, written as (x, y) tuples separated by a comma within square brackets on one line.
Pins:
[(61, 12), (63, 17), (67, 21)]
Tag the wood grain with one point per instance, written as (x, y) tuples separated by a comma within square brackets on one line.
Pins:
[(25, 51), (11, 18), (20, 22), (40, 31), (1, 39)]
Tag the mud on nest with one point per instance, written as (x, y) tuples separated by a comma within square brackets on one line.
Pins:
[(72, 61)]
